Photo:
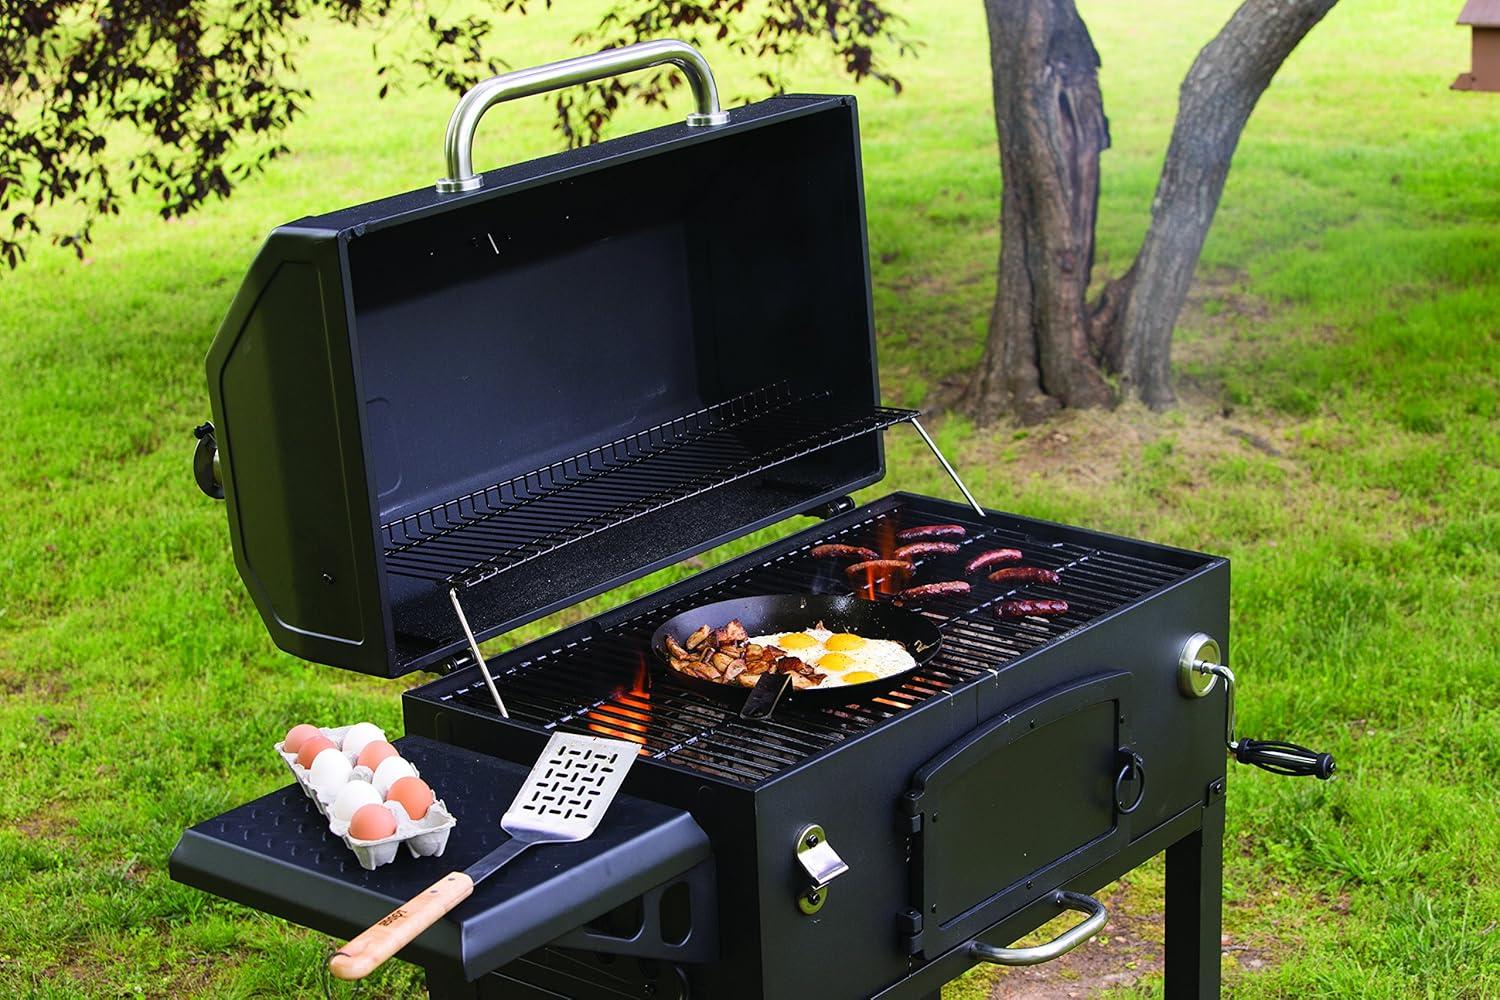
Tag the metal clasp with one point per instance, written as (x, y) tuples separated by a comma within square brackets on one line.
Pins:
[(822, 865)]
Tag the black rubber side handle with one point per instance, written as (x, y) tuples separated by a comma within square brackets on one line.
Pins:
[(1285, 758), (205, 462)]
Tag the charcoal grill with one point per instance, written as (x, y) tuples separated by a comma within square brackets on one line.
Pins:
[(442, 415)]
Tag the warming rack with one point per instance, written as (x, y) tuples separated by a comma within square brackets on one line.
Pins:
[(474, 537)]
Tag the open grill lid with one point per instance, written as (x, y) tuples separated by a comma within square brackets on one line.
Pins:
[(536, 384)]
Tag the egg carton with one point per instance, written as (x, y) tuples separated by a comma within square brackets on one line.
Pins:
[(425, 837)]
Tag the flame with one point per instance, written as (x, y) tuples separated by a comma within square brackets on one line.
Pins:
[(627, 714), (885, 544)]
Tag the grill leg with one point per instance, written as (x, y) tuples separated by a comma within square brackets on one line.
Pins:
[(1195, 883)]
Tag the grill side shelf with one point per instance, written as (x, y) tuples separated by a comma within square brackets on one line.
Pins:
[(277, 855), (475, 537)]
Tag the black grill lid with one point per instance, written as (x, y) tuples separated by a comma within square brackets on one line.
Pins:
[(597, 364)]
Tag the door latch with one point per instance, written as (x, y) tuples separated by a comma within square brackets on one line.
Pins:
[(821, 863)]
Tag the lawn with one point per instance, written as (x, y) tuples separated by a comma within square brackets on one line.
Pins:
[(1337, 439)]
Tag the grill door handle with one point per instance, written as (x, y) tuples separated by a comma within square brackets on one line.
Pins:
[(458, 145), (1058, 946)]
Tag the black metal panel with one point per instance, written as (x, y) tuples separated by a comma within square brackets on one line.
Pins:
[(1053, 761), (277, 855), (286, 408)]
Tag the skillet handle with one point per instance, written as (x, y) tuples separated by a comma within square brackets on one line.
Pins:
[(764, 696), (458, 145)]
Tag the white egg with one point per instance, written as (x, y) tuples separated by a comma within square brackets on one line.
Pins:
[(360, 734), (330, 770), (354, 795), (855, 660), (390, 771), (805, 645)]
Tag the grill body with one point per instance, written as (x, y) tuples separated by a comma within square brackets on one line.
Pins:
[(510, 397), (1038, 811)]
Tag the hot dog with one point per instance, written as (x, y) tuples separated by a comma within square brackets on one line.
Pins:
[(1022, 609), (879, 569), (929, 591), (923, 532), (916, 550), (1024, 574), (991, 557), (834, 550)]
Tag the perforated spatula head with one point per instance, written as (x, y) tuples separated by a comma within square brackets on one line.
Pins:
[(569, 788), (563, 799)]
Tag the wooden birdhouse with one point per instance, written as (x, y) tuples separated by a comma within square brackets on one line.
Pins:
[(1483, 18)]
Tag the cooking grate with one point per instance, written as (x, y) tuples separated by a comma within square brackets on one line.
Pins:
[(603, 684), (476, 536)]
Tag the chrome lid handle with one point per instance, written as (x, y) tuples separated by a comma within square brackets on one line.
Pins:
[(458, 145)]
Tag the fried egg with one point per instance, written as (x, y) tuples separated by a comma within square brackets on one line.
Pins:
[(842, 657)]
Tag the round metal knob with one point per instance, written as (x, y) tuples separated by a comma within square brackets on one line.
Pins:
[(1193, 681)]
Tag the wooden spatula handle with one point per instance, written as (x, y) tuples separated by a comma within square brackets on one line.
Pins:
[(364, 954)]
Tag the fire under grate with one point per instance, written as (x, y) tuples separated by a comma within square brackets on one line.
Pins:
[(604, 683)]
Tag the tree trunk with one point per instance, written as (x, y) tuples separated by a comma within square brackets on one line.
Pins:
[(1051, 125), (1217, 96), (1046, 346)]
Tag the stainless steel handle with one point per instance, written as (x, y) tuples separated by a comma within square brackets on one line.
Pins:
[(458, 145), (1198, 673), (1058, 946)]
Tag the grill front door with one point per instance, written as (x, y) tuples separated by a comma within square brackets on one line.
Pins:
[(1019, 806)]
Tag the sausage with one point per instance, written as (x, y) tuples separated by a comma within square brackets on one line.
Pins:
[(1022, 609), (837, 551), (1024, 574), (879, 569), (928, 591), (991, 557), (916, 550), (927, 531)]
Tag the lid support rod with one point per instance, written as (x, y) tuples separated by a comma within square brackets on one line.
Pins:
[(948, 468), (484, 669)]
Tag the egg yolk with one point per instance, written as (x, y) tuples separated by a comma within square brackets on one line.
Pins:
[(836, 661), (844, 640), (858, 677), (796, 640)]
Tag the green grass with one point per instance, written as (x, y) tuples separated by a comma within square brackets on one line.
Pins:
[(1347, 321)]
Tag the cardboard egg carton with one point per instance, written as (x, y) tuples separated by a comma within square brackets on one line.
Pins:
[(425, 837)]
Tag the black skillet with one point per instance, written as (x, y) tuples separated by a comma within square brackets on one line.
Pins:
[(793, 613)]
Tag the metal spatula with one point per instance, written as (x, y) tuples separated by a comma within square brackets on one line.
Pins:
[(562, 800)]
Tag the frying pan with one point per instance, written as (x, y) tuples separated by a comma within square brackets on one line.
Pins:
[(793, 613)]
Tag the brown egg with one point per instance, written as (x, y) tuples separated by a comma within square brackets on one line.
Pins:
[(311, 747), (374, 752), (414, 794), (372, 822), (298, 735)]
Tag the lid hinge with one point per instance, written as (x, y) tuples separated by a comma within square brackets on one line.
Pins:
[(484, 669)]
